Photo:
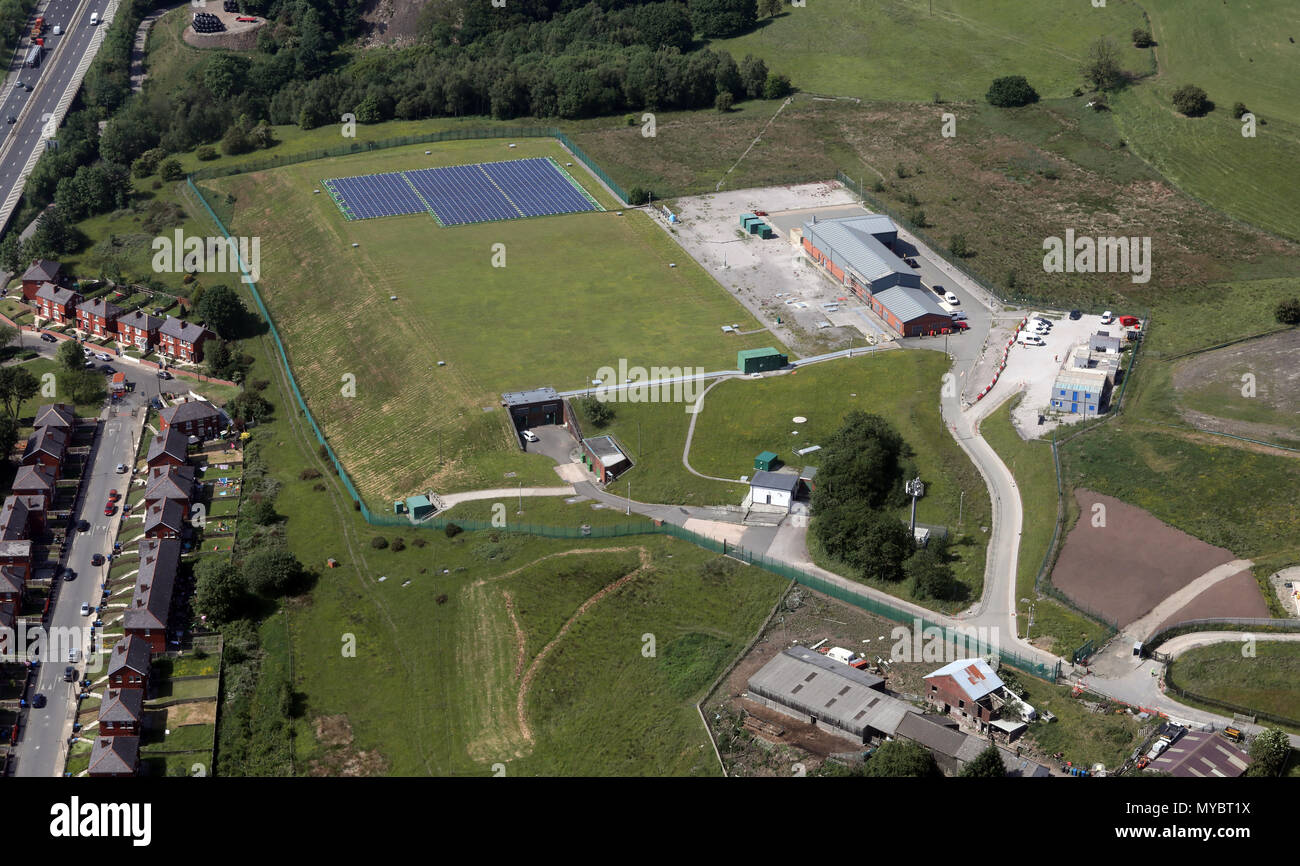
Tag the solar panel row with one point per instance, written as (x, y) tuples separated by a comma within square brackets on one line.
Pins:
[(461, 194)]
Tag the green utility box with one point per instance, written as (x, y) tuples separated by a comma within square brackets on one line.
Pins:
[(760, 360), (766, 462)]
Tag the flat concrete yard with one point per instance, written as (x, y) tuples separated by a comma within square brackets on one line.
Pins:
[(1128, 566)]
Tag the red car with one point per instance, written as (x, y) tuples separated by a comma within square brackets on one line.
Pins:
[(960, 326), (109, 508), (113, 496)]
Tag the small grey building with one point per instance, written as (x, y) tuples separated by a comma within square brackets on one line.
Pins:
[(533, 408)]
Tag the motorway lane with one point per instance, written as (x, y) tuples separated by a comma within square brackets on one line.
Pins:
[(42, 745), (48, 81)]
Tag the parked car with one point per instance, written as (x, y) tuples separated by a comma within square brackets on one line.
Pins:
[(958, 316), (960, 325), (121, 467), (1075, 315), (109, 509), (49, 338), (1030, 340), (1107, 317), (912, 263), (85, 608), (38, 700), (103, 356), (163, 374), (69, 574), (69, 674), (951, 298), (939, 290), (1039, 320), (1157, 749), (83, 526), (529, 435), (74, 655), (13, 119), (97, 559)]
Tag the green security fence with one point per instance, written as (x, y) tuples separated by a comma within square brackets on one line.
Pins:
[(354, 147), (1050, 672)]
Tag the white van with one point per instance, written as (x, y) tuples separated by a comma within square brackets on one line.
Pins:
[(57, 30), (94, 18)]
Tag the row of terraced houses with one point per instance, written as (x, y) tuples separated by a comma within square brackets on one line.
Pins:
[(170, 487), (24, 514), (56, 303)]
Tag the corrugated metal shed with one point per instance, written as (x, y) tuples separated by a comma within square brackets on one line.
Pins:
[(835, 694), (910, 304), (852, 245)]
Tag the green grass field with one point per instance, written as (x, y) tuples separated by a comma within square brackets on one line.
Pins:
[(1085, 737), (900, 49), (577, 292), (1265, 682)]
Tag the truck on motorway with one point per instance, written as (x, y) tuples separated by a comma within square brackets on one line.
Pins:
[(38, 26), (33, 57)]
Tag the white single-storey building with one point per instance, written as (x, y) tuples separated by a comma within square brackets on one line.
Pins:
[(773, 488)]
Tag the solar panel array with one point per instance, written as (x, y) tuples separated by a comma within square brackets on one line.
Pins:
[(461, 194)]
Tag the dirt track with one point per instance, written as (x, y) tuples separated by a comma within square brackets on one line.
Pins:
[(1123, 569)]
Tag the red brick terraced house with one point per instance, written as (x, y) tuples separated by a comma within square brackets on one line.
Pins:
[(193, 418), (115, 757), (60, 416), (128, 664), (46, 447), (57, 304), (120, 712), (165, 519), (13, 580), (169, 448), (146, 617), (98, 317), (22, 517), (138, 329), (35, 480), (182, 341), (16, 553), (41, 271)]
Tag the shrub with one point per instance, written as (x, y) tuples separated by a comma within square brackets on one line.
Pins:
[(723, 102), (1288, 312), (379, 542), (638, 196), (419, 541), (777, 87), (957, 246), (170, 169), (308, 474), (441, 599), (453, 530), (1191, 100), (1238, 109), (398, 545), (878, 186), (917, 218), (1011, 91), (206, 153), (1142, 38)]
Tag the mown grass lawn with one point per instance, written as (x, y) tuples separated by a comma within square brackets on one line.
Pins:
[(1085, 737), (182, 739), (1268, 681), (587, 290)]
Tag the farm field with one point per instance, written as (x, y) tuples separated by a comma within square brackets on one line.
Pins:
[(1266, 682), (333, 307), (898, 49)]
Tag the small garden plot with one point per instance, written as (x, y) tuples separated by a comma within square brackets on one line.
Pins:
[(79, 757), (223, 508), (173, 689), (185, 738)]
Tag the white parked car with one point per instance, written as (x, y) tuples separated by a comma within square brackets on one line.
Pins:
[(103, 356), (1040, 329), (1039, 320), (85, 608), (73, 655), (1030, 340), (1107, 317), (958, 316), (951, 298), (529, 435)]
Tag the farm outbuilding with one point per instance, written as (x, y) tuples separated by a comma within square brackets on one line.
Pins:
[(533, 408), (760, 360), (807, 686)]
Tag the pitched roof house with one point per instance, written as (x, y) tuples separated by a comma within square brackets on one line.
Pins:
[(966, 686), (182, 340), (193, 418), (46, 446), (139, 329), (128, 663), (60, 416), (22, 517), (151, 602), (115, 756), (56, 303), (41, 271), (98, 317), (168, 448), (37, 480), (120, 712), (165, 519), (176, 483)]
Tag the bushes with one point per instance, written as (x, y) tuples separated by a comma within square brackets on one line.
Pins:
[(1192, 101), (1288, 312), (452, 530), (308, 474), (170, 169), (1011, 91), (398, 545), (638, 196), (206, 153), (1142, 38), (379, 542)]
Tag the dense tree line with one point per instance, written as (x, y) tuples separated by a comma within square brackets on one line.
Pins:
[(13, 23)]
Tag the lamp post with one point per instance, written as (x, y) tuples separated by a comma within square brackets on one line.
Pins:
[(1030, 623)]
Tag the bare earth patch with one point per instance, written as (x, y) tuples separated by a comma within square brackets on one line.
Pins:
[(1125, 568), (333, 731), (204, 713), (1237, 596)]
